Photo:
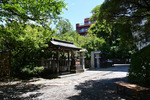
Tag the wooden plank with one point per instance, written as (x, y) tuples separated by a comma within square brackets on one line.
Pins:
[(132, 86)]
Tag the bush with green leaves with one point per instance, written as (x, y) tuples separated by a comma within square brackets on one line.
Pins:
[(32, 71), (139, 71)]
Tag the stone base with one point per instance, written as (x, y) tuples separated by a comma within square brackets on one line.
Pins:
[(78, 69)]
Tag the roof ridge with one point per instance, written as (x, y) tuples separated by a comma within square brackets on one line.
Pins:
[(62, 41)]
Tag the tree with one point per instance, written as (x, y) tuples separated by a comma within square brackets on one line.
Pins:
[(133, 18), (93, 43), (95, 12), (71, 36), (100, 30), (63, 26), (136, 13), (113, 34), (131, 9), (39, 11), (26, 43)]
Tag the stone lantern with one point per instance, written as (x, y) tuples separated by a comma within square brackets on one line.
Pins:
[(82, 57), (95, 59), (98, 58)]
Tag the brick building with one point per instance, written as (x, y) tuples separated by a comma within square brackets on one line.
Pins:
[(83, 28)]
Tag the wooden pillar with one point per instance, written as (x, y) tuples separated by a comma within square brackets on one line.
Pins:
[(57, 62), (68, 61), (42, 62), (117, 89), (71, 57)]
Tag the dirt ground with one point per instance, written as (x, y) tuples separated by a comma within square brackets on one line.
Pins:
[(95, 84)]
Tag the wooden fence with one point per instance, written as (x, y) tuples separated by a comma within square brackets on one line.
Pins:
[(4, 64), (52, 64)]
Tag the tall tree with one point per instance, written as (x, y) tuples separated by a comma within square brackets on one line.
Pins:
[(133, 9), (112, 33), (135, 13), (133, 18), (26, 43)]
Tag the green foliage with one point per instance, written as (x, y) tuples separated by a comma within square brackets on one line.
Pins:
[(17, 36), (128, 23), (26, 43), (39, 11), (90, 42), (93, 43), (139, 71), (73, 36), (100, 29), (126, 36), (95, 12), (118, 36), (32, 71), (133, 17), (114, 45), (122, 9), (63, 26)]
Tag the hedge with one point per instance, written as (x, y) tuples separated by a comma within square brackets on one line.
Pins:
[(139, 71)]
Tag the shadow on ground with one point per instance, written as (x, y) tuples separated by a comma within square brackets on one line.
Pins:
[(15, 92), (101, 90)]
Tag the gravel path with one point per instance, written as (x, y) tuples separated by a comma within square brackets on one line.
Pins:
[(90, 85)]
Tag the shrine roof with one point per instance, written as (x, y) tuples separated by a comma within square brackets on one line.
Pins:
[(66, 44)]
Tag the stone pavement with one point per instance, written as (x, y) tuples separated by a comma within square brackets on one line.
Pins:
[(87, 75), (93, 84)]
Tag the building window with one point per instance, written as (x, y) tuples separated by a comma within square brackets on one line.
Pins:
[(86, 30), (88, 22), (81, 30)]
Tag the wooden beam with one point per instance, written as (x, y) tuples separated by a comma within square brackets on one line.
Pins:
[(68, 61)]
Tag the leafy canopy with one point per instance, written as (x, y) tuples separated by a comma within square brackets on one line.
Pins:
[(17, 36), (115, 34), (27, 10), (136, 13), (132, 9)]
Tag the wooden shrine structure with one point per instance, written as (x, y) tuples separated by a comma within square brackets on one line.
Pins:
[(62, 59)]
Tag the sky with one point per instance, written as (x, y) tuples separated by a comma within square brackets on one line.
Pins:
[(78, 10)]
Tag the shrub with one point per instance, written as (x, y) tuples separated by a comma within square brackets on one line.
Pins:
[(29, 70), (139, 71)]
